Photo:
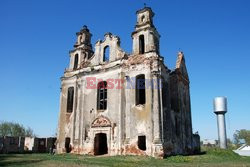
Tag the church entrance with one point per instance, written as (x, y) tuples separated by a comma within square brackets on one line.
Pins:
[(100, 144)]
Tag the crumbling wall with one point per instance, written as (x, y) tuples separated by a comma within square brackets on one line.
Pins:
[(196, 144), (161, 125), (11, 144), (128, 121), (111, 41)]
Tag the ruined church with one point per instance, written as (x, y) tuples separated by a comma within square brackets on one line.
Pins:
[(119, 103)]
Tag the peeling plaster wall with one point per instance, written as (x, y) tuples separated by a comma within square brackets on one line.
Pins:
[(128, 121), (76, 124), (164, 119)]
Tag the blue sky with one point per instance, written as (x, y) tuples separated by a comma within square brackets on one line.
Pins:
[(36, 36)]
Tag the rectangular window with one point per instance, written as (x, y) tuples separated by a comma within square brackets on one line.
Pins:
[(70, 99), (141, 44), (140, 90), (75, 62), (102, 95)]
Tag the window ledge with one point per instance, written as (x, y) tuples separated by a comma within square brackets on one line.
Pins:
[(101, 110), (140, 106)]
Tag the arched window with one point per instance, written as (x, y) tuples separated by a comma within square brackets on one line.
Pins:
[(76, 62), (106, 54), (80, 39), (70, 99), (142, 18), (140, 89), (141, 44), (102, 95)]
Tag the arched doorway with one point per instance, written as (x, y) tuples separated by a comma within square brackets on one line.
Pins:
[(100, 144)]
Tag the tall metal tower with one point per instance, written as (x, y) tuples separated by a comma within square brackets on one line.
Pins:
[(220, 108)]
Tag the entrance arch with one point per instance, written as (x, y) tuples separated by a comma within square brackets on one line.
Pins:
[(101, 129), (100, 144)]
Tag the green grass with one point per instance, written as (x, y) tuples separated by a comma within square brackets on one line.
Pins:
[(212, 157)]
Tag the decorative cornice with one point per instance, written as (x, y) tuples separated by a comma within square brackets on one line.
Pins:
[(82, 49), (152, 28)]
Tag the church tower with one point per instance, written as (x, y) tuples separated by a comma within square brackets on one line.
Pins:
[(82, 49), (145, 37)]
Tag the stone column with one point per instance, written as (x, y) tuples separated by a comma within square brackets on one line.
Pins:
[(82, 130), (78, 112), (161, 107), (74, 114), (156, 112), (156, 108), (127, 110), (121, 127), (60, 135)]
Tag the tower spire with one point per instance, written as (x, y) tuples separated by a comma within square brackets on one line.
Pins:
[(145, 37)]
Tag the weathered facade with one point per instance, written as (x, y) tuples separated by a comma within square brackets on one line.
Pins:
[(118, 103)]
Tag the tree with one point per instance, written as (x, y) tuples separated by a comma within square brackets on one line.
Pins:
[(230, 144), (242, 134), (29, 132), (15, 129), (5, 129)]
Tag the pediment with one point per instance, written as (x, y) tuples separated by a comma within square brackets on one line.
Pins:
[(101, 122)]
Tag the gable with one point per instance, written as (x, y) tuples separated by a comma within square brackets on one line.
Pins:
[(181, 65), (115, 52)]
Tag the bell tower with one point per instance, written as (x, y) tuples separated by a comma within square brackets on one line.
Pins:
[(83, 38), (145, 37), (82, 49)]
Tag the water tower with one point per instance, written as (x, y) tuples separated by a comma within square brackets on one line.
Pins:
[(220, 108)]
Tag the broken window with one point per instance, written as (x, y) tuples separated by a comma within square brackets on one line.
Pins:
[(70, 99), (76, 62), (106, 54), (140, 89), (142, 142), (102, 95), (141, 44)]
